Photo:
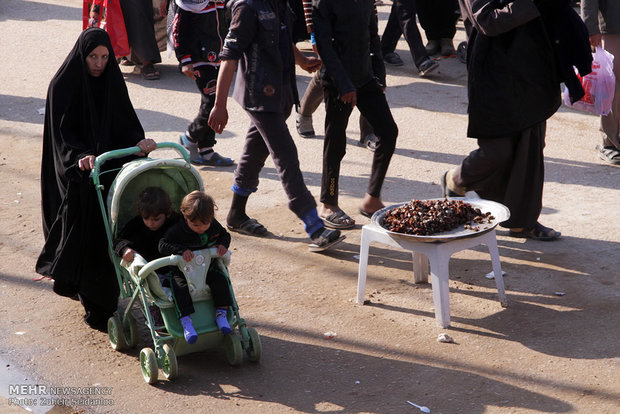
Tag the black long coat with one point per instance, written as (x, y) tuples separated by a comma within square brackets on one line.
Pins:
[(512, 74), (84, 115)]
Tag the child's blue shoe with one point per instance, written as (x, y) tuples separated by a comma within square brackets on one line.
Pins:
[(221, 321), (188, 330)]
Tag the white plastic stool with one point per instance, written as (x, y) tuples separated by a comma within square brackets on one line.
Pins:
[(438, 255)]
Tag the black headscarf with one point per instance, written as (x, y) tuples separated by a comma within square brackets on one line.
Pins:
[(84, 115)]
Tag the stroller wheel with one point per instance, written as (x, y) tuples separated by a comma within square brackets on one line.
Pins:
[(116, 334), (234, 352), (148, 363), (169, 365), (130, 328), (255, 350)]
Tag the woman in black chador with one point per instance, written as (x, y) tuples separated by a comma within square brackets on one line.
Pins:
[(87, 113)]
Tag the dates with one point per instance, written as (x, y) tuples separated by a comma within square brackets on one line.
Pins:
[(424, 217)]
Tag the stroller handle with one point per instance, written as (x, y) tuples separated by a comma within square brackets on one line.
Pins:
[(175, 260), (125, 152)]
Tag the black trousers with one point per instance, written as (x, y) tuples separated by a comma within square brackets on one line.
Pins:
[(373, 105), (216, 280), (402, 20), (138, 15), (199, 130), (269, 135), (438, 18), (509, 170)]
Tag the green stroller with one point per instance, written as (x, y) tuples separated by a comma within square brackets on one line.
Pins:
[(139, 282)]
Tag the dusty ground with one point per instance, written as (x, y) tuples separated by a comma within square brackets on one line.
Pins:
[(544, 353)]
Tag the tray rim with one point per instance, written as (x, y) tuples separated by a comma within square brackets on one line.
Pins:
[(458, 233)]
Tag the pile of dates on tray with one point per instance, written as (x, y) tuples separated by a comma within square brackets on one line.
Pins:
[(424, 217)]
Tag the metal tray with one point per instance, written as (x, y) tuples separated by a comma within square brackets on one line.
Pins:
[(497, 210)]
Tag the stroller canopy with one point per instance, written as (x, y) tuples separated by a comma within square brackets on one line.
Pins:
[(174, 176)]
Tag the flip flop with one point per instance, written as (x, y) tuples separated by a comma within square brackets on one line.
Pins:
[(250, 227), (365, 213), (338, 220), (326, 240), (538, 232)]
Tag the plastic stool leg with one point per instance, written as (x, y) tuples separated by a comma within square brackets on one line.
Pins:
[(420, 267), (441, 289), (363, 265), (491, 243)]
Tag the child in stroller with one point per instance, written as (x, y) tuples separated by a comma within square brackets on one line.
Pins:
[(199, 230), (142, 234)]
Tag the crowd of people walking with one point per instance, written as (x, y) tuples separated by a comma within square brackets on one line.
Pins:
[(516, 51)]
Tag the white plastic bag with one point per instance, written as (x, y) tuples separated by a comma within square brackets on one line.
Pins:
[(599, 85)]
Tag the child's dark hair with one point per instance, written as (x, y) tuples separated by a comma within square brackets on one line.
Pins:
[(153, 201), (198, 206)]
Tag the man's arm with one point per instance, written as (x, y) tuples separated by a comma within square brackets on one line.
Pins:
[(323, 34), (492, 20), (309, 64), (218, 118)]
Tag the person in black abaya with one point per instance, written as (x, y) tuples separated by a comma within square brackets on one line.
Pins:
[(87, 113)]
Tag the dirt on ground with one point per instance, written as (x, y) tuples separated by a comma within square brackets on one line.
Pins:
[(554, 349)]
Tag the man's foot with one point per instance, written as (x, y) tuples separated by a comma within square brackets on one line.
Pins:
[(538, 232), (392, 59), (149, 72), (222, 321), (369, 141), (124, 61), (188, 330), (208, 157), (370, 205), (323, 239), (212, 159), (461, 52), (338, 220), (608, 154), (427, 66), (250, 227), (446, 184), (447, 47), (432, 47), (304, 126)]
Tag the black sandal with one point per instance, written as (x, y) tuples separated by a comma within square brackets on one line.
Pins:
[(538, 232), (325, 240)]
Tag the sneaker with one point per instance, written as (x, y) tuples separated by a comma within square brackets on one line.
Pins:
[(432, 47), (188, 330), (199, 158), (221, 321), (608, 154), (304, 126), (369, 141), (447, 47), (393, 59), (428, 66), (212, 159)]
